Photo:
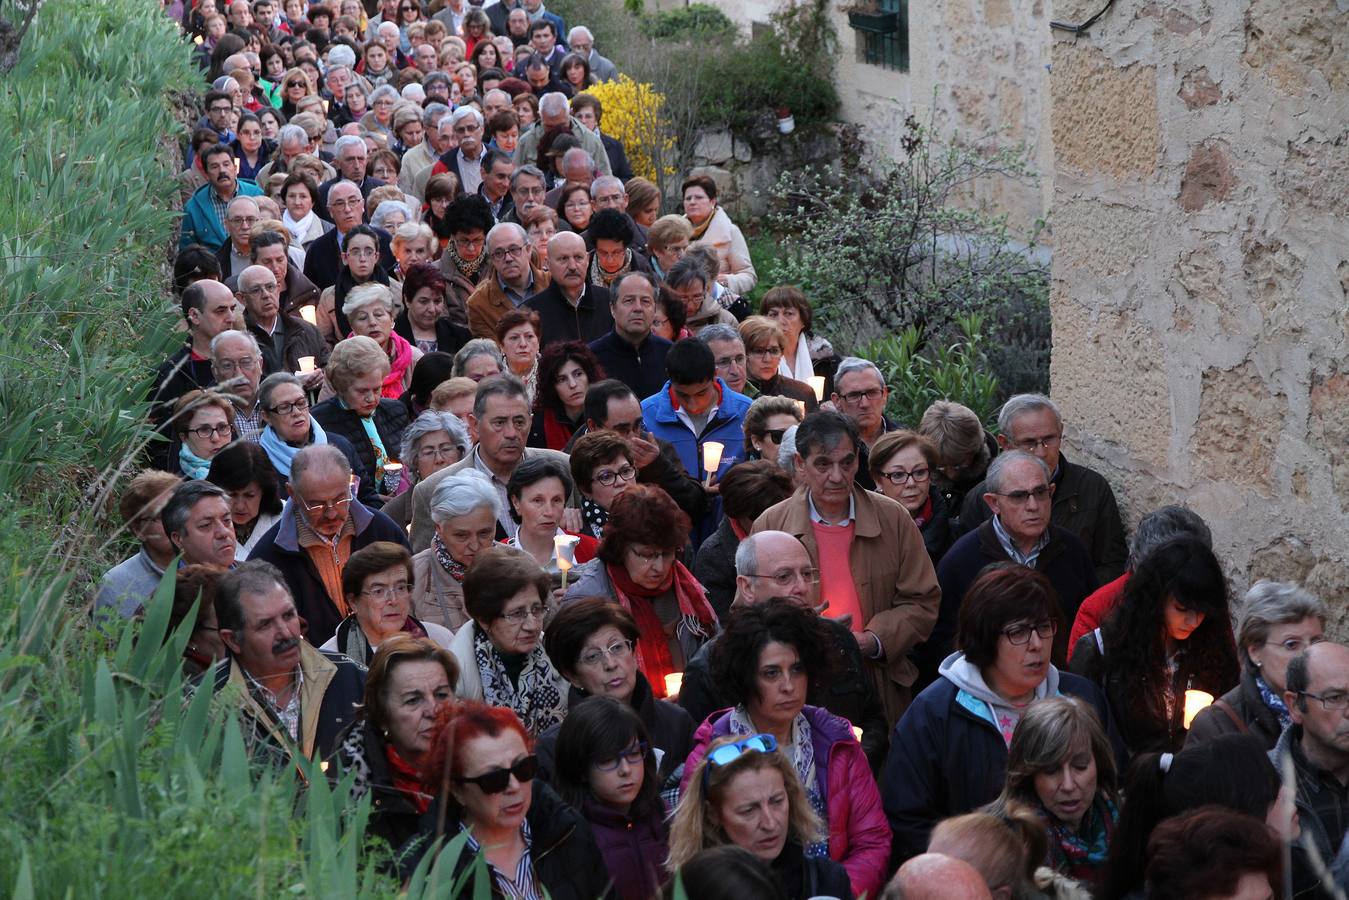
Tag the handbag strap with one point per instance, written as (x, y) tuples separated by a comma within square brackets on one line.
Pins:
[(1226, 707)]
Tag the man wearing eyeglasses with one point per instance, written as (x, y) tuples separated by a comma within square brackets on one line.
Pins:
[(294, 701), (1084, 504), (323, 260), (513, 280), (236, 362), (321, 525), (1019, 494), (240, 216), (283, 338), (1318, 743)]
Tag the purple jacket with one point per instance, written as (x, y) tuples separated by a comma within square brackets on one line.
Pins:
[(859, 834), (634, 850)]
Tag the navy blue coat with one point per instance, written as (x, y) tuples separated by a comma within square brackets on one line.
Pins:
[(947, 759), (640, 368)]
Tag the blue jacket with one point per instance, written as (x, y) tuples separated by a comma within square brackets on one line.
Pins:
[(947, 757), (200, 223)]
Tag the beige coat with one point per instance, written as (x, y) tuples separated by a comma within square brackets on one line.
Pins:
[(724, 236), (436, 597), (896, 584)]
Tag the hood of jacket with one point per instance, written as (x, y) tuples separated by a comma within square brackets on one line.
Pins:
[(970, 684)]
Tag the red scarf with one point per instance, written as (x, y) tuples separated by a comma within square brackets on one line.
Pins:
[(925, 514), (556, 433), (400, 357), (653, 647), (407, 780)]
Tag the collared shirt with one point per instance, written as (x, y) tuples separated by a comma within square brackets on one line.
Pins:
[(220, 205), (585, 286), (518, 298), (504, 518), (523, 884), (289, 715), (470, 172), (1320, 790), (249, 424), (815, 513), (238, 263), (1010, 547)]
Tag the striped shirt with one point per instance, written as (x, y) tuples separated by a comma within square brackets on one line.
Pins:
[(523, 885)]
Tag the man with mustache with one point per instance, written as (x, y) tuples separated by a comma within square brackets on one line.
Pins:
[(321, 525), (294, 700), (204, 213), (570, 308)]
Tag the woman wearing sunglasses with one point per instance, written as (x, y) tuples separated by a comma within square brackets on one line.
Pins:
[(902, 464), (606, 770), (765, 662), (766, 422), (745, 792), (948, 755), (531, 841), (500, 652)]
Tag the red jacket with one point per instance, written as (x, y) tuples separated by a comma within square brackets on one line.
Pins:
[(859, 833), (1096, 609)]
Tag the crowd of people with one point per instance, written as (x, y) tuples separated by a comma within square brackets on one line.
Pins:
[(483, 481)]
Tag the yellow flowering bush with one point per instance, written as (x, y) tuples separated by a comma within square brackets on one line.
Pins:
[(632, 113)]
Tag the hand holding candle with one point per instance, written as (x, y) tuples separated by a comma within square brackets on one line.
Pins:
[(310, 315), (564, 548), (306, 364), (1196, 702), (817, 385), (712, 451)]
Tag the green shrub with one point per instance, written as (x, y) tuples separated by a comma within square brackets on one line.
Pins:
[(697, 21), (959, 372)]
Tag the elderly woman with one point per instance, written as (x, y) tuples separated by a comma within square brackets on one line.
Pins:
[(746, 490), (204, 421), (1277, 622), (537, 492), (601, 467), (964, 450), (765, 346), (948, 754), (369, 310), (745, 792), (688, 280), (902, 464), (290, 427), (413, 243), (377, 589), (804, 354), (355, 106), (519, 334), (638, 566), (360, 265), (591, 643), (1060, 765), (566, 371), (712, 226), (766, 421), (464, 510), (244, 470), (371, 422), (500, 650), (300, 194), (455, 396), (765, 662), (411, 680), (478, 359), (434, 441), (667, 239), (380, 118), (392, 214), (423, 321), (408, 130)]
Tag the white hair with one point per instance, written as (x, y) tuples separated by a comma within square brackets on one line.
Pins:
[(363, 295), (578, 31), (605, 181), (414, 93), (1006, 459), (1023, 403), (464, 112), (462, 493), (390, 206), (433, 113), (430, 422), (231, 333), (348, 140), (290, 135), (850, 364), (787, 451), (384, 90), (387, 27), (554, 104)]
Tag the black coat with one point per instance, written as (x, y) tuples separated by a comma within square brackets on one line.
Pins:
[(567, 861), (449, 336), (391, 417), (667, 473), (936, 531), (618, 157), (1250, 708), (367, 185), (299, 339), (176, 376), (393, 816), (560, 321), (714, 567), (641, 368), (323, 259), (803, 877)]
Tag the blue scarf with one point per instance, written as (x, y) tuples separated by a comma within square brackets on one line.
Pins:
[(376, 442), (193, 466), (282, 454), (1274, 702)]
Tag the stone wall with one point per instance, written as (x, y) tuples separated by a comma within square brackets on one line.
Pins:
[(746, 166), (1201, 270)]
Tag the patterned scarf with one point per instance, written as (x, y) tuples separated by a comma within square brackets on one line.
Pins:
[(537, 700), (603, 278), (801, 752), (1274, 702), (457, 570), (1072, 853), (696, 618), (595, 518), (193, 466), (467, 268)]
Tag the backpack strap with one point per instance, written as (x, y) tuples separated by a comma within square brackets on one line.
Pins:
[(1242, 727)]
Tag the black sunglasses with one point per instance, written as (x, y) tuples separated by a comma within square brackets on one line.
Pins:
[(497, 780), (776, 434)]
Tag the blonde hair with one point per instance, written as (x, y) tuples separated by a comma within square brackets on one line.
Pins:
[(450, 390), (694, 827), (352, 358), (954, 430), (761, 331)]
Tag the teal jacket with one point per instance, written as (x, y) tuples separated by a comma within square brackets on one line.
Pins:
[(200, 223)]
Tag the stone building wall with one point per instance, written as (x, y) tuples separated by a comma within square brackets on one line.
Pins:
[(1201, 270)]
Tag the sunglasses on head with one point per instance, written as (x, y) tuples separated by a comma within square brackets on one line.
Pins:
[(497, 780), (729, 753)]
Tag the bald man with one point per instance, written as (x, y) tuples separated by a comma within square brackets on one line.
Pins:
[(932, 876), (570, 308)]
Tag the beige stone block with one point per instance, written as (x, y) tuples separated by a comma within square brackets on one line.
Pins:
[(1315, 174), (1208, 177), (1202, 277), (1104, 239), (1198, 89), (1297, 43), (1011, 110), (1329, 580), (1286, 558), (1273, 273), (1240, 419), (997, 13), (1329, 428), (1104, 118)]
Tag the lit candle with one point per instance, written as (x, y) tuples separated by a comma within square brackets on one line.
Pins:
[(817, 385), (712, 458), (1194, 702), (310, 315), (325, 107), (199, 40), (673, 682), (564, 548), (393, 473), (857, 733), (323, 766), (238, 165), (306, 362)]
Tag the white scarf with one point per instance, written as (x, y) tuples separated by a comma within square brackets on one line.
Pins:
[(297, 229), (800, 368)]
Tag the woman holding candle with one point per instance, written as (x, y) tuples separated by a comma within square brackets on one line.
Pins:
[(902, 464), (804, 354), (1172, 634), (765, 346), (566, 371), (765, 662), (537, 492), (464, 509), (638, 566), (373, 423)]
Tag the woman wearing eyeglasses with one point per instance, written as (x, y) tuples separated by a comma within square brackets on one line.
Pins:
[(948, 755), (1172, 633), (500, 651), (601, 466), (205, 424), (591, 642), (765, 662), (746, 792), (606, 770), (434, 441), (638, 566), (902, 464), (765, 347), (377, 586), (290, 427), (537, 492)]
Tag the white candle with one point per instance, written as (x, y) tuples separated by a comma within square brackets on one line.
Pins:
[(712, 451), (817, 385), (1196, 701), (564, 549), (310, 315), (306, 363), (673, 682), (857, 732), (198, 40)]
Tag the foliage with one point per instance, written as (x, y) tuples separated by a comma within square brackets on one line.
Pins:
[(904, 247), (633, 114), (696, 21), (958, 372)]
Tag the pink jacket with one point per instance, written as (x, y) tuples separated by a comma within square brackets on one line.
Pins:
[(859, 834)]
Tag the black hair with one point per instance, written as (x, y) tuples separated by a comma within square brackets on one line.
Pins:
[(674, 309), (686, 271), (598, 396), (492, 156), (611, 225), (192, 264), (531, 471), (243, 463), (822, 430), (264, 240), (215, 150), (748, 629), (468, 213), (727, 872), (598, 729), (427, 375), (253, 577), (538, 25), (690, 361)]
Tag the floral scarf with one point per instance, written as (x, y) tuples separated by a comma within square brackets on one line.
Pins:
[(537, 700), (456, 570), (605, 279), (1081, 853), (802, 755)]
